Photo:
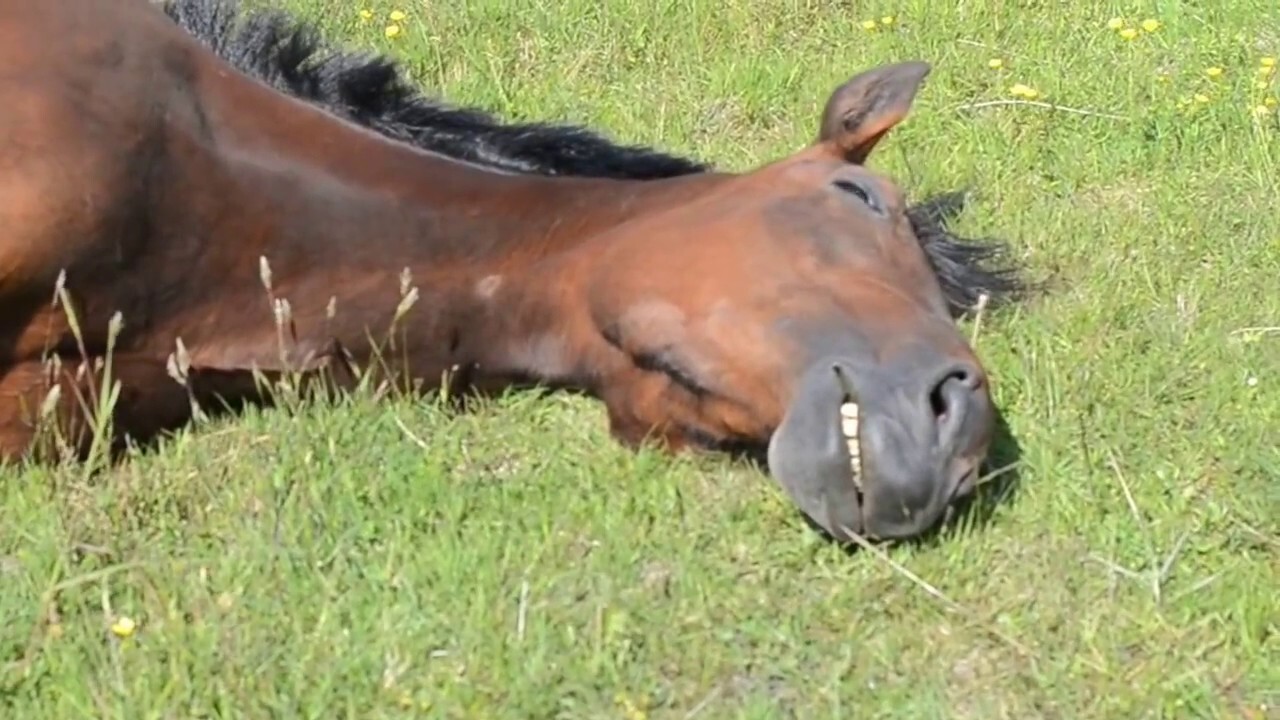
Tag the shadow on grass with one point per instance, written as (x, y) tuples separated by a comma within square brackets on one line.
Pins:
[(999, 473), (998, 488)]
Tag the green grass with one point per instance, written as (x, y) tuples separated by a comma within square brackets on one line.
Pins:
[(387, 559)]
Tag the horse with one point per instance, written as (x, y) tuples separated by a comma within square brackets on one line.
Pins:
[(201, 226)]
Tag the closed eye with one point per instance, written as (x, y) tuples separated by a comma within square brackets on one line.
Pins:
[(863, 193)]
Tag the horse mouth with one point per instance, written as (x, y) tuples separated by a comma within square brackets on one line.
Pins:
[(816, 455), (849, 429)]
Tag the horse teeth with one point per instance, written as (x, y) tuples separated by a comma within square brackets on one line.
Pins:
[(849, 428), (849, 419)]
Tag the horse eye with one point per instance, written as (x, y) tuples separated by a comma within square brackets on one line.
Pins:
[(863, 193)]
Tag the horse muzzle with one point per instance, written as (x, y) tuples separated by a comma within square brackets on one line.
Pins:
[(883, 451)]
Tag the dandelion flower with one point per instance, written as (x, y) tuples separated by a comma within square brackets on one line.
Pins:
[(868, 24), (1115, 23), (1129, 33), (392, 31), (124, 626), (397, 16), (887, 20), (366, 15), (1214, 72), (1267, 62), (995, 63), (1150, 25), (1023, 91)]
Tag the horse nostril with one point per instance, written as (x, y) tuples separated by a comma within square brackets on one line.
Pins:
[(943, 394)]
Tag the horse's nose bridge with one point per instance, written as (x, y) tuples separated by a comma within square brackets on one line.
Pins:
[(926, 353), (894, 320)]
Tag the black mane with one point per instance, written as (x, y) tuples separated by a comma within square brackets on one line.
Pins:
[(291, 55)]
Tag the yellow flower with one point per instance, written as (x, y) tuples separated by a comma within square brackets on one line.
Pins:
[(1262, 85), (1214, 72), (392, 31), (1150, 25), (886, 20), (1269, 62), (366, 14), (629, 709), (868, 24), (1023, 91), (123, 627), (995, 63), (1266, 70), (1115, 23), (397, 16), (1129, 33)]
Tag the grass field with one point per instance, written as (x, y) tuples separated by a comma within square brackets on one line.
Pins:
[(387, 559)]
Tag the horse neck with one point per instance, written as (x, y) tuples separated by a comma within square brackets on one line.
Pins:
[(410, 204), (349, 221)]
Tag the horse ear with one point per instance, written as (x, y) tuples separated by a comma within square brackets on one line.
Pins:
[(867, 106)]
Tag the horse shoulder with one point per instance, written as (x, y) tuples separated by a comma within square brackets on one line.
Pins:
[(84, 128)]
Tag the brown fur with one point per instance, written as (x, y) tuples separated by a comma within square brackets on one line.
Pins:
[(158, 178)]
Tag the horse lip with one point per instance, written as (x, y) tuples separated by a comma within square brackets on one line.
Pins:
[(813, 493), (846, 382), (808, 454)]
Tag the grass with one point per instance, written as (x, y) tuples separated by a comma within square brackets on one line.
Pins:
[(389, 560)]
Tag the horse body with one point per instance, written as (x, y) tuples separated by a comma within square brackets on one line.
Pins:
[(211, 174), (235, 228)]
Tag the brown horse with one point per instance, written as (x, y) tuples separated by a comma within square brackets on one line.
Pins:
[(792, 310)]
